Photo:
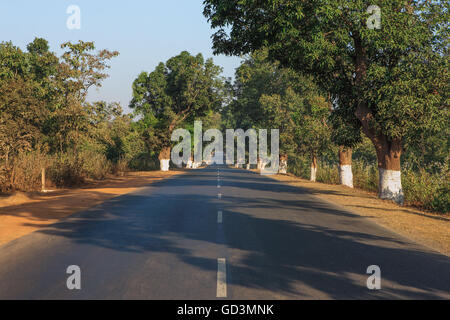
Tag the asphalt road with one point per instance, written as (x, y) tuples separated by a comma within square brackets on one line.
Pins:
[(169, 241)]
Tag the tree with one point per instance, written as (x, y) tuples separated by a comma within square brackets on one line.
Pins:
[(258, 90), (269, 96), (23, 100), (21, 115), (79, 70), (311, 129), (86, 69), (183, 88), (43, 111), (394, 73), (346, 134)]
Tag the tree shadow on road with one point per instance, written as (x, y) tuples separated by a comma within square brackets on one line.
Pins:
[(291, 246)]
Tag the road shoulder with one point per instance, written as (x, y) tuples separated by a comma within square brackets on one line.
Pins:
[(431, 230), (24, 213)]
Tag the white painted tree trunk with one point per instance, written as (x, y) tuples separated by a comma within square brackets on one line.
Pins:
[(164, 164), (346, 175), (248, 166), (313, 174), (263, 165), (390, 186), (283, 167)]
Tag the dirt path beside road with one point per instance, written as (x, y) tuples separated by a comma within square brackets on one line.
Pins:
[(432, 230), (23, 213)]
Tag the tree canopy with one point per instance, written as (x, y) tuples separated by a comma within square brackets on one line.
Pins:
[(183, 88), (394, 79)]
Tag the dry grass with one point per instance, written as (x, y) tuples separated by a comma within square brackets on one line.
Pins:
[(23, 213), (432, 230)]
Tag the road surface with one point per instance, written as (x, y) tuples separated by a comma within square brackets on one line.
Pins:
[(219, 233)]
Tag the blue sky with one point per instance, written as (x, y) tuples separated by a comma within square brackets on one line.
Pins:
[(145, 32)]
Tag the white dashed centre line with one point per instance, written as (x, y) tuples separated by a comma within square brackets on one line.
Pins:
[(219, 196), (221, 278), (219, 217)]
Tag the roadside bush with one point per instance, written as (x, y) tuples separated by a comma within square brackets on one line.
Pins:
[(365, 176), (121, 166), (94, 165), (299, 166), (427, 190), (424, 188), (69, 169), (327, 173), (66, 171), (25, 171), (144, 162), (441, 200)]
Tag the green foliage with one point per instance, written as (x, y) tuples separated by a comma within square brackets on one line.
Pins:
[(427, 189), (327, 174), (21, 115), (346, 128), (441, 200), (364, 152), (300, 166), (268, 96), (365, 176), (424, 190), (46, 122), (311, 130), (182, 89), (392, 83), (66, 170), (94, 165), (144, 162)]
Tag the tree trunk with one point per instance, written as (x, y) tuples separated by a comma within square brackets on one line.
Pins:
[(259, 165), (389, 171), (7, 159), (388, 156), (164, 159), (263, 164), (345, 166), (283, 164), (313, 168), (13, 177), (190, 163), (388, 152)]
